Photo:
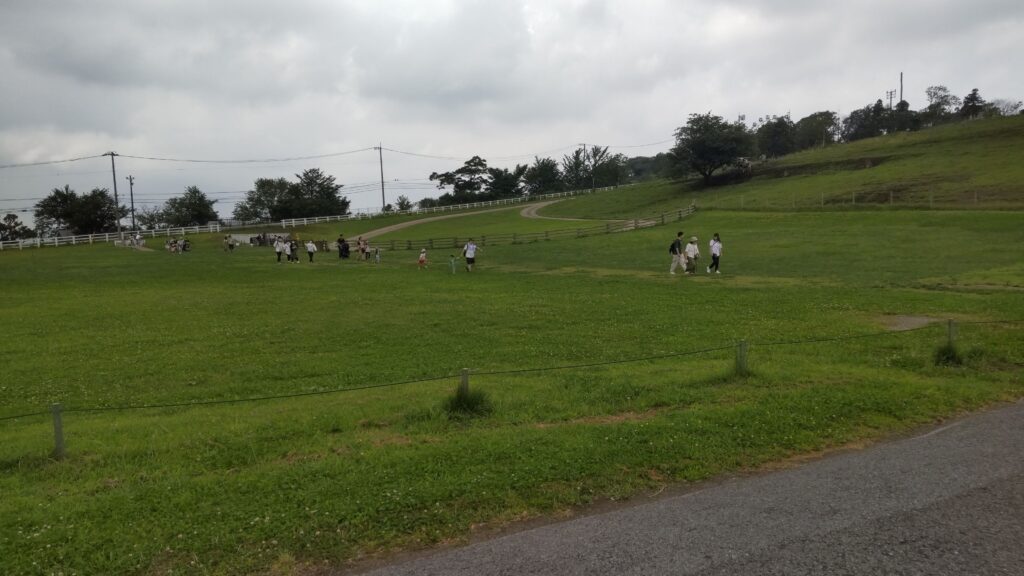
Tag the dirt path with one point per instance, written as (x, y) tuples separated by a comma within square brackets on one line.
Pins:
[(394, 227), (531, 212)]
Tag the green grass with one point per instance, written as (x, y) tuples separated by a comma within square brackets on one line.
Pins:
[(276, 485)]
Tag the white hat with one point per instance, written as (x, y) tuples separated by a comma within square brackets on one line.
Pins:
[(693, 238)]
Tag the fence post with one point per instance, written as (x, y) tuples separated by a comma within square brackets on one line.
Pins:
[(662, 218), (931, 200), (513, 237), (464, 382), (741, 358), (951, 333), (853, 197), (483, 240), (58, 432), (392, 246), (823, 199)]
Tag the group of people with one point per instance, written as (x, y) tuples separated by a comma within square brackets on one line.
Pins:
[(687, 256), (290, 248), (175, 246), (468, 254)]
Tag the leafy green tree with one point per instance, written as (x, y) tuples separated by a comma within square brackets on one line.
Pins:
[(649, 167), (315, 194), (403, 203), (708, 143), (466, 182), (11, 228), (612, 170), (867, 122), (1003, 107), (90, 213), (261, 203), (543, 176), (818, 129), (973, 105), (903, 118), (776, 136), (192, 208), (575, 170), (503, 183)]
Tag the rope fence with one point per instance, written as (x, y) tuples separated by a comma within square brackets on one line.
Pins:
[(742, 348)]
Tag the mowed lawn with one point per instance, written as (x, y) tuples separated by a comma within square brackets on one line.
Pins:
[(281, 485)]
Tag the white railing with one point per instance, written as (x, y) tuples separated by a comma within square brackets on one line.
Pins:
[(364, 213), (104, 237), (358, 214)]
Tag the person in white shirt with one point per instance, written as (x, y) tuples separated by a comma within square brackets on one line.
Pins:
[(469, 252), (278, 248), (423, 258), (692, 255), (716, 253), (310, 249)]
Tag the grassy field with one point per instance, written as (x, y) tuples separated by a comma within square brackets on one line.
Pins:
[(284, 486)]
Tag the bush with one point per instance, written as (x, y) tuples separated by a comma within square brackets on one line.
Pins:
[(467, 404), (948, 355)]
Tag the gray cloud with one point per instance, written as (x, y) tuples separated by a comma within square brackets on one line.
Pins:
[(245, 79)]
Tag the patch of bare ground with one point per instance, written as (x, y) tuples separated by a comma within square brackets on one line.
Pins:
[(900, 322)]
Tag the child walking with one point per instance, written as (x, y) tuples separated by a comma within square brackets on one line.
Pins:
[(716, 252), (423, 258)]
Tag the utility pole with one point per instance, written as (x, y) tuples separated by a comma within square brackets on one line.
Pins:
[(380, 155), (131, 195), (901, 86), (117, 207), (889, 94)]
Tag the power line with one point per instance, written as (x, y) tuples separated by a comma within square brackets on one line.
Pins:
[(47, 162), (248, 161)]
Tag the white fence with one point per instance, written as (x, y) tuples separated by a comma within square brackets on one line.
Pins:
[(105, 237), (360, 215), (291, 222)]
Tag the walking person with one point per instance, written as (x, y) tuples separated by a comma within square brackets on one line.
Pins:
[(716, 253), (423, 258), (293, 247), (346, 250), (692, 252), (469, 253), (676, 250), (340, 243), (278, 247), (310, 249)]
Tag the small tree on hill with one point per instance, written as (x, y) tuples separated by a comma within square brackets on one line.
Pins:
[(542, 176), (403, 203), (11, 228), (466, 182), (973, 105), (192, 208)]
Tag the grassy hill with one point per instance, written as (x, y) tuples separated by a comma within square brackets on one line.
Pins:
[(608, 377), (976, 165)]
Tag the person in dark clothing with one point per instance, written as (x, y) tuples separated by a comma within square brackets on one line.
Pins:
[(346, 250), (676, 250)]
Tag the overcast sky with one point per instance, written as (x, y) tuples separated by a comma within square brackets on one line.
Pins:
[(253, 79)]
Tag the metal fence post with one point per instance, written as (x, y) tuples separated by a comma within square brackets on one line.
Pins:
[(464, 382), (741, 357), (58, 432), (951, 333)]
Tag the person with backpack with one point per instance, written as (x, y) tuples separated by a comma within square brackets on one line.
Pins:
[(676, 250)]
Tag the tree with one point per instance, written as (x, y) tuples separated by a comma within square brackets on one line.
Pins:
[(542, 176), (776, 136), (403, 203), (707, 143), (973, 105), (903, 118), (1004, 107), (192, 208), (90, 213), (818, 129), (650, 167), (942, 104), (502, 183), (466, 182), (868, 122), (150, 217), (261, 203), (611, 171), (12, 229), (575, 175)]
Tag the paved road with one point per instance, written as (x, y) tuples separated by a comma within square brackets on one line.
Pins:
[(948, 501)]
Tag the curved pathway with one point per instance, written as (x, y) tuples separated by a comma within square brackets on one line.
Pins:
[(531, 212), (947, 501), (402, 225)]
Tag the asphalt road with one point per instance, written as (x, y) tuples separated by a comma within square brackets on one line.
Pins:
[(947, 501)]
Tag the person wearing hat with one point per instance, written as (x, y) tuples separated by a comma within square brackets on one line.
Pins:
[(692, 255), (423, 258)]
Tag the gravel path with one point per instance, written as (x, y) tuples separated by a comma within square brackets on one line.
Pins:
[(948, 501), (394, 227)]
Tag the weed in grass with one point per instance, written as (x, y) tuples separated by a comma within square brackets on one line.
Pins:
[(948, 355), (465, 404)]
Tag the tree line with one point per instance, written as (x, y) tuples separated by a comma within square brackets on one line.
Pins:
[(704, 146)]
